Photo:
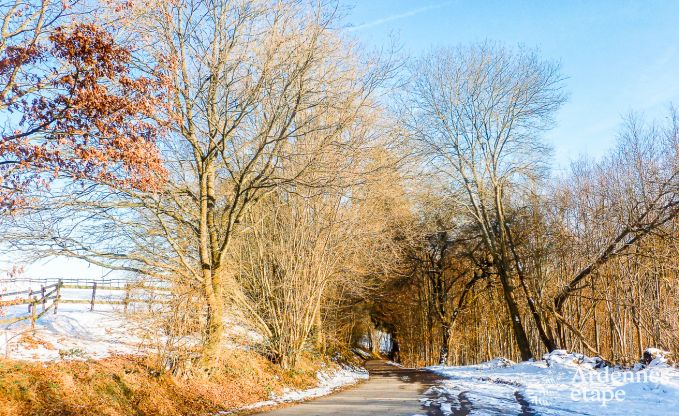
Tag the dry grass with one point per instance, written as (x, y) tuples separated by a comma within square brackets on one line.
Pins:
[(30, 342), (126, 385)]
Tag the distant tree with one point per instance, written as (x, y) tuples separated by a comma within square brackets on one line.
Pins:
[(72, 105), (619, 202), (478, 112)]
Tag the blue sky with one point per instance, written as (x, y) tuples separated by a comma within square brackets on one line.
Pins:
[(618, 56)]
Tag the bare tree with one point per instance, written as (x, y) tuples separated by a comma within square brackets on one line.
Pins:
[(609, 207), (614, 217), (258, 95), (311, 249), (478, 112)]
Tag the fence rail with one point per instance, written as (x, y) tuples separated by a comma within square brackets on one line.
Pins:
[(109, 283), (33, 301), (55, 296)]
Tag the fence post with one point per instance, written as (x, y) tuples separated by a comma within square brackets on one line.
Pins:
[(42, 292), (94, 292), (30, 296), (56, 299), (33, 302), (126, 301)]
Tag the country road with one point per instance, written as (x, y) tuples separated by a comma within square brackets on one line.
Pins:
[(393, 390), (390, 390)]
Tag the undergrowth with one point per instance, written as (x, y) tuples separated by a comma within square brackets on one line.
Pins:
[(131, 385)]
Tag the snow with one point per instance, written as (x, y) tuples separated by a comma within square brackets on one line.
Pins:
[(564, 358), (237, 333), (561, 383), (78, 333), (655, 357), (328, 381), (75, 332)]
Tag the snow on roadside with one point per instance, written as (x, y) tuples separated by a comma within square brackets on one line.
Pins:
[(560, 384), (328, 381), (653, 357)]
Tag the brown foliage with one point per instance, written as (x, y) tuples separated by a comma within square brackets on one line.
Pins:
[(82, 112)]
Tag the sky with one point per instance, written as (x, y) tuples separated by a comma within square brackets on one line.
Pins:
[(618, 56)]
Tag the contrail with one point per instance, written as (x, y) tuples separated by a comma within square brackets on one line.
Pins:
[(393, 17)]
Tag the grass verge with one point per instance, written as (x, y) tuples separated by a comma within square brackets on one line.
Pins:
[(130, 385)]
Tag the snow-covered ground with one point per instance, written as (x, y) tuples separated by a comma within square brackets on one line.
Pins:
[(560, 384), (328, 381), (74, 332)]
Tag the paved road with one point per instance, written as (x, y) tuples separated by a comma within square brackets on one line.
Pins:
[(390, 390)]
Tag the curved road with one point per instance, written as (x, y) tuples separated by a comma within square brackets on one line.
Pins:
[(390, 390)]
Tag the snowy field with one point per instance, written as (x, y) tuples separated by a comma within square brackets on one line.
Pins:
[(74, 332), (560, 384)]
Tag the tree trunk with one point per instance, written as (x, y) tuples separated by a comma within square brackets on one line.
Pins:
[(542, 324), (502, 264), (318, 326), (445, 342), (519, 332), (215, 320), (395, 349), (284, 361), (211, 273)]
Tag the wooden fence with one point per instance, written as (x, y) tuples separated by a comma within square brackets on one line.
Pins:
[(108, 283), (52, 294), (47, 293)]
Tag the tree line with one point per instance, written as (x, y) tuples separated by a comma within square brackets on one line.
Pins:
[(256, 158)]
